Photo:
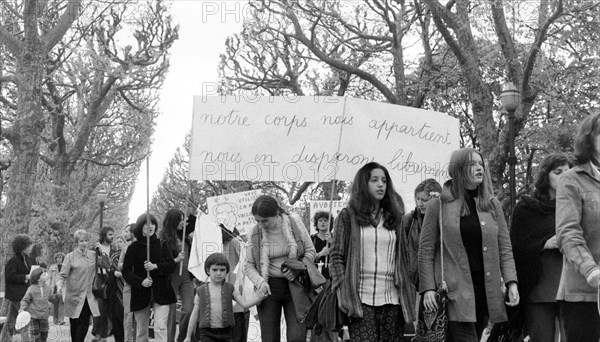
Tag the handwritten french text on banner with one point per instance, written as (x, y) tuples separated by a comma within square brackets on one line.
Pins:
[(296, 139)]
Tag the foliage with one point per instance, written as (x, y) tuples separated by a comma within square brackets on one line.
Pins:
[(95, 106)]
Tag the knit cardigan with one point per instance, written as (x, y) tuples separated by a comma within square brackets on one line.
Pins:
[(298, 240), (345, 267)]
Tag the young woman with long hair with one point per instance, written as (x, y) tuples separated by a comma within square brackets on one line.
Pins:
[(276, 238), (537, 258), (172, 235), (367, 263), (476, 246)]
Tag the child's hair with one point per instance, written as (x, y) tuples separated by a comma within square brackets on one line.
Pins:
[(216, 259), (34, 278)]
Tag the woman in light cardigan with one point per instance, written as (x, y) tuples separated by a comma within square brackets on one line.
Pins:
[(373, 287), (277, 237), (77, 276)]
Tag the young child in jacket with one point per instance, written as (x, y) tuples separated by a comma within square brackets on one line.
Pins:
[(36, 301), (213, 307)]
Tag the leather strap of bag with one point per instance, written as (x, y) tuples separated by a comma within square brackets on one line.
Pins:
[(443, 283)]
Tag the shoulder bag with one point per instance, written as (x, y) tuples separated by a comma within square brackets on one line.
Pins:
[(432, 325)]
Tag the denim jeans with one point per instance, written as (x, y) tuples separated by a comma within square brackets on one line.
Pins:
[(540, 321), (128, 320), (580, 321), (465, 331), (183, 286), (269, 314), (240, 330), (142, 319)]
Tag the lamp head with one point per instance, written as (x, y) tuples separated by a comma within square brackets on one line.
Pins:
[(102, 195), (510, 97)]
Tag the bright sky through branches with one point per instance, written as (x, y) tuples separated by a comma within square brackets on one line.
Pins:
[(203, 28)]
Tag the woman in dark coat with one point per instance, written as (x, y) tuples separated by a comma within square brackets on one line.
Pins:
[(153, 290), (537, 258), (16, 276)]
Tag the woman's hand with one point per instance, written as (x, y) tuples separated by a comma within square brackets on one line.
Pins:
[(180, 256), (147, 282), (149, 266), (324, 252), (551, 243), (513, 295), (288, 274), (429, 301), (265, 288), (118, 274)]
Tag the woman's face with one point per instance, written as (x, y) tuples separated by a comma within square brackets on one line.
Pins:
[(127, 233), (475, 171), (82, 243), (422, 198), (556, 174), (28, 249), (181, 223), (323, 224), (149, 230), (269, 223), (377, 184)]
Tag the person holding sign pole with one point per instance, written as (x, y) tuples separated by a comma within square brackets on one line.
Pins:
[(323, 223), (477, 259), (172, 235), (276, 238), (367, 263), (149, 279)]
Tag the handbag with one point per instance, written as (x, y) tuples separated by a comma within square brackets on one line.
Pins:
[(100, 283), (324, 314), (432, 325), (301, 288)]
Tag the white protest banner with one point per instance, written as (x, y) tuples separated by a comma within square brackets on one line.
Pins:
[(296, 139), (234, 210), (316, 206)]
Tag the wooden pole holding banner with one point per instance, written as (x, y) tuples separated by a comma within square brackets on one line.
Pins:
[(334, 180), (185, 217), (148, 211)]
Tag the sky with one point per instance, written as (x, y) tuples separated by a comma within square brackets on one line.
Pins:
[(203, 28)]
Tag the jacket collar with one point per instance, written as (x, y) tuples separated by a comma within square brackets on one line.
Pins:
[(588, 169), (446, 195)]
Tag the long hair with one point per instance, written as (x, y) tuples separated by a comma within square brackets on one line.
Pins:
[(266, 206), (139, 226), (103, 233), (542, 182), (459, 170), (20, 243), (588, 130), (168, 232), (363, 203)]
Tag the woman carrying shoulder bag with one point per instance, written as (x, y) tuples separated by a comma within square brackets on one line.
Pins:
[(477, 250)]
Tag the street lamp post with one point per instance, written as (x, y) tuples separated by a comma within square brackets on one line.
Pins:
[(102, 196), (510, 99)]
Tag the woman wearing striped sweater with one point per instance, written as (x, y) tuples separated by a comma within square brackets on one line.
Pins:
[(366, 263)]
